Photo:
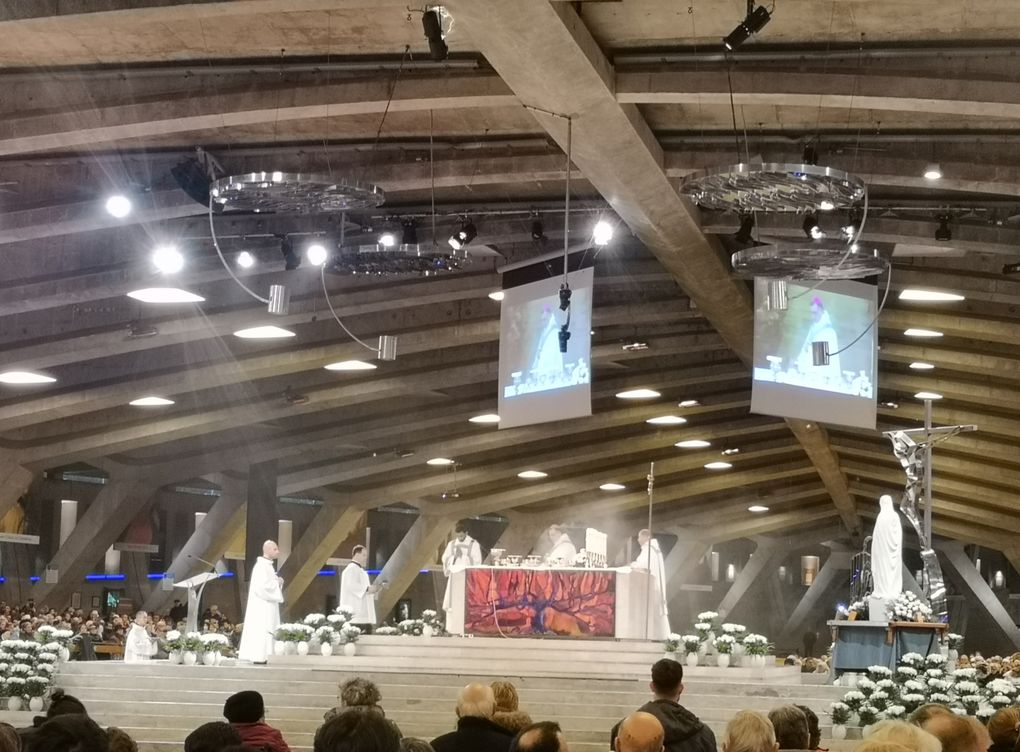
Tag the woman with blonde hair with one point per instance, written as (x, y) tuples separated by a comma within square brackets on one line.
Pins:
[(1004, 728), (508, 713), (750, 731)]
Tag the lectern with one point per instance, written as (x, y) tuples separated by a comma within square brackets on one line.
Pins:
[(195, 586)]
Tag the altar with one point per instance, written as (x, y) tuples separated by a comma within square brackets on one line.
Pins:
[(860, 644), (567, 602)]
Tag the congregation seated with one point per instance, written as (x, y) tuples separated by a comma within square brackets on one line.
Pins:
[(246, 712), (790, 726), (750, 731), (905, 734), (640, 732), (544, 736), (71, 732), (956, 733), (215, 736), (476, 730), (356, 732), (508, 712)]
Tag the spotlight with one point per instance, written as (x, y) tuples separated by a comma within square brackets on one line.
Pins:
[(168, 259), (463, 236), (432, 24), (537, 229), (811, 228), (245, 260), (746, 228), (291, 260), (118, 206), (316, 254), (942, 232), (752, 24), (409, 236), (387, 240), (603, 232), (933, 171)]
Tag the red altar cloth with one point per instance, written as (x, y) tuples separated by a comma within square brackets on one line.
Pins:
[(528, 602)]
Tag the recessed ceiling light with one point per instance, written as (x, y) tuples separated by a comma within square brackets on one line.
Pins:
[(638, 394), (612, 487), (264, 332), (693, 444), (497, 295), (919, 366), (439, 461), (635, 346), (165, 295), (25, 377), (757, 508), (928, 396), (735, 450), (922, 333), (933, 171), (487, 418), (532, 474), (689, 403), (118, 206), (930, 296), (350, 365), (667, 420), (151, 402), (890, 405), (718, 465)]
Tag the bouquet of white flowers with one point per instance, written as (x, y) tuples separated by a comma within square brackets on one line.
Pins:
[(878, 672), (908, 607), (840, 713), (709, 616), (325, 635), (756, 644), (895, 712), (215, 642), (350, 633), (733, 629), (691, 643), (173, 641), (314, 620), (913, 660), (724, 643), (387, 631), (703, 628), (672, 642)]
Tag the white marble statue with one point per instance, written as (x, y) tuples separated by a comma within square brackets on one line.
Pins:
[(886, 557)]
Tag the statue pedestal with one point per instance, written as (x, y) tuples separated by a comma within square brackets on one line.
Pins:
[(877, 609)]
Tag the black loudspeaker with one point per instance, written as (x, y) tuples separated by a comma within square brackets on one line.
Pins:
[(191, 177)]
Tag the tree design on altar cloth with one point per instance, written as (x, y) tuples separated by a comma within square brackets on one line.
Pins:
[(530, 602)]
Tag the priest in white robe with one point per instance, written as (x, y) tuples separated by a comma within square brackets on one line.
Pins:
[(138, 644), (357, 593), (650, 560), (461, 552), (563, 549), (262, 614)]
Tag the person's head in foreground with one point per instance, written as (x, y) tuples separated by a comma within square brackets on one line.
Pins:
[(640, 732), (244, 707), (120, 740), (921, 716), (790, 726), (413, 744), (544, 736), (1004, 729), (476, 701), (212, 737), (667, 679), (873, 746), (749, 731), (71, 732), (956, 733), (358, 692), (10, 741), (62, 703), (814, 730), (903, 733), (357, 732), (506, 696)]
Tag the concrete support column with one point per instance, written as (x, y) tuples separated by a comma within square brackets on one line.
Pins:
[(417, 549), (837, 563), (763, 562), (68, 518), (284, 539), (14, 482), (261, 519), (968, 575), (111, 562), (199, 518)]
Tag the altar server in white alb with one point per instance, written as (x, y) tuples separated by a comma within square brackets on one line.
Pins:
[(262, 614), (138, 644), (461, 552), (650, 560), (357, 593), (563, 549)]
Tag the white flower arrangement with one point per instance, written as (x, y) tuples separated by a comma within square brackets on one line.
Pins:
[(867, 714), (940, 698), (691, 642), (350, 633), (840, 713), (939, 685), (20, 669), (985, 714), (967, 688), (50, 647), (912, 685), (346, 613), (886, 685), (935, 659), (387, 631), (703, 628), (36, 685), (22, 656), (854, 699), (47, 658), (1002, 687), (912, 699), (913, 660), (733, 629), (934, 673), (756, 644), (866, 685), (326, 635), (1000, 701), (314, 620), (724, 643), (63, 636), (879, 672), (965, 673), (879, 699), (45, 630), (672, 642), (709, 616), (895, 712), (215, 642), (971, 702), (46, 668), (336, 620), (907, 607), (955, 640)]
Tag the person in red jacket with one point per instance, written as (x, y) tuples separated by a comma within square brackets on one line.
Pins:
[(246, 712)]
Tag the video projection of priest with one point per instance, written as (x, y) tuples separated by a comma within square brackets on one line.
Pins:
[(461, 552), (357, 593), (886, 557), (262, 614), (650, 559)]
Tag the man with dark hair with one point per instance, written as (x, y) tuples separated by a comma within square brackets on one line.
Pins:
[(683, 732), (814, 731), (544, 736), (246, 712), (357, 593), (791, 727), (72, 732), (357, 732), (212, 737)]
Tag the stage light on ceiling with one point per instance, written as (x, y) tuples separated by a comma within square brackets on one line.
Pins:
[(718, 465), (532, 474), (930, 296), (165, 295), (922, 333), (316, 254), (667, 420), (151, 402), (387, 240), (693, 444), (245, 260), (167, 259), (753, 23), (118, 206), (488, 418), (602, 233), (463, 236), (432, 25), (638, 394), (439, 461), (811, 228), (919, 366), (757, 508), (736, 450), (291, 260), (933, 171), (689, 403), (928, 396), (497, 295), (264, 332), (942, 233), (612, 487), (25, 377), (350, 365)]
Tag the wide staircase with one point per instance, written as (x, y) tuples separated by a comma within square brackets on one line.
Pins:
[(586, 686)]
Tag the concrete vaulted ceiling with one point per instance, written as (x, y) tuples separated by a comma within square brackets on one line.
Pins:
[(98, 101)]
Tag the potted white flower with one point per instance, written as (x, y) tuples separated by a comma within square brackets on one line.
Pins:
[(705, 634), (191, 644), (840, 713), (326, 636), (314, 620), (15, 686), (303, 632), (36, 687), (691, 644), (432, 627), (387, 630), (214, 645), (174, 645), (670, 645), (955, 643), (350, 634), (723, 645), (756, 646)]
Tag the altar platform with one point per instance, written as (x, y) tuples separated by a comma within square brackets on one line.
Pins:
[(585, 685)]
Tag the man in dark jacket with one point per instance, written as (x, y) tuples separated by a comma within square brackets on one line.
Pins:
[(246, 712), (476, 730), (683, 731)]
